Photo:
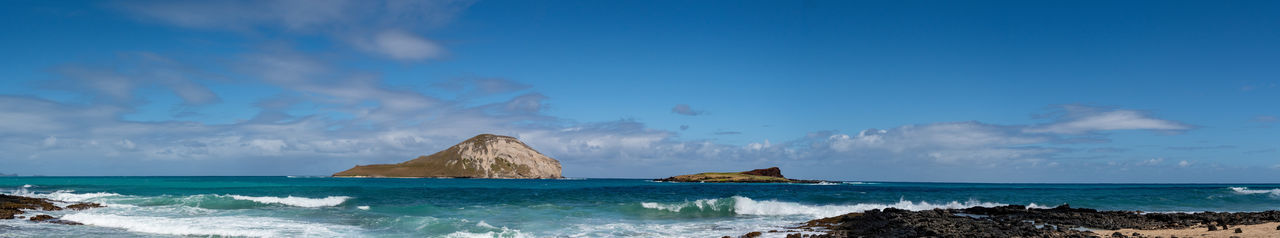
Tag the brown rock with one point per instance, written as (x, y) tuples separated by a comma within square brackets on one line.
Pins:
[(13, 205), (84, 205), (482, 156), (771, 172), (753, 234), (1238, 230), (41, 217)]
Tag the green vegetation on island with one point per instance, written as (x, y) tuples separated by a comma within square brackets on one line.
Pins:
[(769, 175)]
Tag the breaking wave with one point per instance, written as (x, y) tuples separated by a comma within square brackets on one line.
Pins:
[(214, 226), (296, 201), (64, 195), (1245, 190), (746, 206)]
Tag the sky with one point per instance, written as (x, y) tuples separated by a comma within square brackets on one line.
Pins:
[(935, 91)]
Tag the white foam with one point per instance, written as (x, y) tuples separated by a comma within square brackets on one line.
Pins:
[(296, 201), (1246, 190), (214, 226), (1037, 206), (65, 195), (485, 225), (27, 186), (748, 206), (504, 232), (366, 208), (701, 204)]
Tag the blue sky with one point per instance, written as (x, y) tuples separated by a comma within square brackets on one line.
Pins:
[(975, 91)]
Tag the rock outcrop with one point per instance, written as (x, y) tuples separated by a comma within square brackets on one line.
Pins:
[(11, 206), (770, 172), (1018, 221), (482, 156), (769, 175)]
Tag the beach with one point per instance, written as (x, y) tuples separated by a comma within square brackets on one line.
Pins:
[(1270, 229)]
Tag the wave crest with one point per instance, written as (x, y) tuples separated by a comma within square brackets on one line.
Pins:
[(747, 206), (296, 201), (214, 226), (1245, 190)]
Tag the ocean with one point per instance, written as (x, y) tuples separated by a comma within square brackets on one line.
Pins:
[(394, 207)]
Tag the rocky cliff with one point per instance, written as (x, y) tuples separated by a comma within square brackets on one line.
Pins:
[(482, 156)]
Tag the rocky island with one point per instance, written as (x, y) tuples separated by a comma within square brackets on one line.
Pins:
[(482, 156), (769, 175)]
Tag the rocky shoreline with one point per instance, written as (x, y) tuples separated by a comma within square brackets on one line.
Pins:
[(1020, 221), (11, 207)]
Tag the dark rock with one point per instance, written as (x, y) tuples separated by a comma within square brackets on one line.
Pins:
[(13, 205), (1117, 234), (41, 217), (771, 172), (51, 219), (84, 205), (1013, 221), (1238, 230), (753, 234)]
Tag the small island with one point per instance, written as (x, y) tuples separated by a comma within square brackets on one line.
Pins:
[(482, 156), (769, 175)]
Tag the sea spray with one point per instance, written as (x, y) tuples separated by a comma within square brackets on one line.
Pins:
[(746, 206), (214, 226), (296, 201), (1245, 190)]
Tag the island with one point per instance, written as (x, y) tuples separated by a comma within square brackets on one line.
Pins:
[(769, 175), (482, 156)]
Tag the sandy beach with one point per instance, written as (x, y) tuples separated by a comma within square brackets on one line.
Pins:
[(1247, 231)]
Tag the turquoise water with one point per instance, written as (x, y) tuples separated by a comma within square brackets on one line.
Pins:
[(378, 207)]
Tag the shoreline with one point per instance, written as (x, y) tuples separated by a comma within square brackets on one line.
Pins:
[(1268, 229), (1021, 221)]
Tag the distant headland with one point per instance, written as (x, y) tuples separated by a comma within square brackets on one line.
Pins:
[(482, 156), (769, 175)]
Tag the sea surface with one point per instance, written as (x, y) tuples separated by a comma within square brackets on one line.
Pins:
[(393, 207)]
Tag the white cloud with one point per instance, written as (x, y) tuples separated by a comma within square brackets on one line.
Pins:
[(685, 109), (118, 82), (379, 27), (402, 46), (1184, 163), (1081, 119), (50, 141), (1151, 162), (950, 142)]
